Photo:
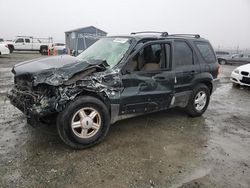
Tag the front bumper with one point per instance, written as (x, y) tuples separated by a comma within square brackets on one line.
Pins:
[(29, 105), (240, 79)]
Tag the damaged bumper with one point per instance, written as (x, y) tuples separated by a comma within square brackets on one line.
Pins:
[(30, 104)]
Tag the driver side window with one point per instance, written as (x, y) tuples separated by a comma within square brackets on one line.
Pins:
[(150, 58)]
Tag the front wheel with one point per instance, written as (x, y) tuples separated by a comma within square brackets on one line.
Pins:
[(83, 123), (198, 101)]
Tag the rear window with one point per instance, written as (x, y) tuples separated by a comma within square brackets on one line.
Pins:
[(206, 52)]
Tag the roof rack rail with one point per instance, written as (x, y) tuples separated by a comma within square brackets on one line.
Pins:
[(163, 34), (186, 35)]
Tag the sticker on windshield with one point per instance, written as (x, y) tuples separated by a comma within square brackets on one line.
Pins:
[(120, 40)]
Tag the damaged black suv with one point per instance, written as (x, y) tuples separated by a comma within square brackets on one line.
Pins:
[(117, 77)]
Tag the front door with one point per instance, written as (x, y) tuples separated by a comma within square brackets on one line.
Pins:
[(19, 44), (148, 81)]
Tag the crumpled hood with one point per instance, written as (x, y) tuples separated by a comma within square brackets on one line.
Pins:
[(53, 70)]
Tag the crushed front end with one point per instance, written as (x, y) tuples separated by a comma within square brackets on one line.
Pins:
[(33, 100)]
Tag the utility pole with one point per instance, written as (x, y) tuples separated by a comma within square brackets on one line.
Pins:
[(237, 49)]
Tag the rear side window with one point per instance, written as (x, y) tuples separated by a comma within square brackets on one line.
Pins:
[(27, 40), (183, 54), (206, 52)]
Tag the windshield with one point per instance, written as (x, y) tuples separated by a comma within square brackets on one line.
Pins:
[(110, 50)]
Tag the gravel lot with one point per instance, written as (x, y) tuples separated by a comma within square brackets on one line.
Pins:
[(166, 149)]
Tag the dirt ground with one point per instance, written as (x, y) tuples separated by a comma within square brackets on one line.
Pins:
[(166, 149)]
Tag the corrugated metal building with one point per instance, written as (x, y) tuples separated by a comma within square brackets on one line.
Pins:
[(81, 38)]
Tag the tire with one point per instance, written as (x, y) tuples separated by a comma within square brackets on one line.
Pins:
[(236, 85), (80, 110), (44, 50), (197, 109), (11, 48), (223, 62), (49, 120)]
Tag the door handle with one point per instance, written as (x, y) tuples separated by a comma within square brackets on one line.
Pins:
[(190, 72), (160, 78), (194, 72)]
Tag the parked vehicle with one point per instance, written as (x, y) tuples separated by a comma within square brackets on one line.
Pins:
[(4, 49), (28, 43), (58, 48), (10, 45), (114, 79), (223, 57), (240, 58), (241, 75)]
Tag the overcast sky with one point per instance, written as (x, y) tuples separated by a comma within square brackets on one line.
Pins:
[(223, 22)]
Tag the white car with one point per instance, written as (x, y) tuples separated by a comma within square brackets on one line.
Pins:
[(4, 49), (59, 47), (241, 75)]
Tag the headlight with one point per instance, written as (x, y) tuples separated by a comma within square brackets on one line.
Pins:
[(236, 71)]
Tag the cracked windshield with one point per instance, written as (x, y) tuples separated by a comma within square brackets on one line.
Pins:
[(110, 50)]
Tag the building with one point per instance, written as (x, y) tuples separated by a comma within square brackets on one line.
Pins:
[(81, 38)]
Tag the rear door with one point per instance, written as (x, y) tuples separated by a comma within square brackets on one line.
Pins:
[(184, 65), (28, 44), (148, 87)]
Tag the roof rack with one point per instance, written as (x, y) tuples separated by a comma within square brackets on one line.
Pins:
[(187, 35), (163, 34)]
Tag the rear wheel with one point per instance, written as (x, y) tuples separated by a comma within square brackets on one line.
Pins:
[(223, 62), (198, 101), (44, 50), (83, 123)]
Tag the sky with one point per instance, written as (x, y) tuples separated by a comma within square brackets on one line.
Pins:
[(226, 23)]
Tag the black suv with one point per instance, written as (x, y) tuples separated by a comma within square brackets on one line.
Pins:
[(116, 78)]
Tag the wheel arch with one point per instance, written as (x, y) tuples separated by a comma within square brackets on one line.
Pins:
[(209, 84), (99, 96), (206, 79)]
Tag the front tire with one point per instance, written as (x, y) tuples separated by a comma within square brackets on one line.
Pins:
[(198, 101), (11, 48), (83, 123)]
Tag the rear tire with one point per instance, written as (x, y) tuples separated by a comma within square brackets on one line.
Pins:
[(44, 50), (78, 128), (223, 62), (198, 101)]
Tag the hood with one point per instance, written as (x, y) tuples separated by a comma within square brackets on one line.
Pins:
[(53, 70), (245, 67)]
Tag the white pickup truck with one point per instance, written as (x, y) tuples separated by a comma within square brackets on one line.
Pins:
[(27, 43)]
